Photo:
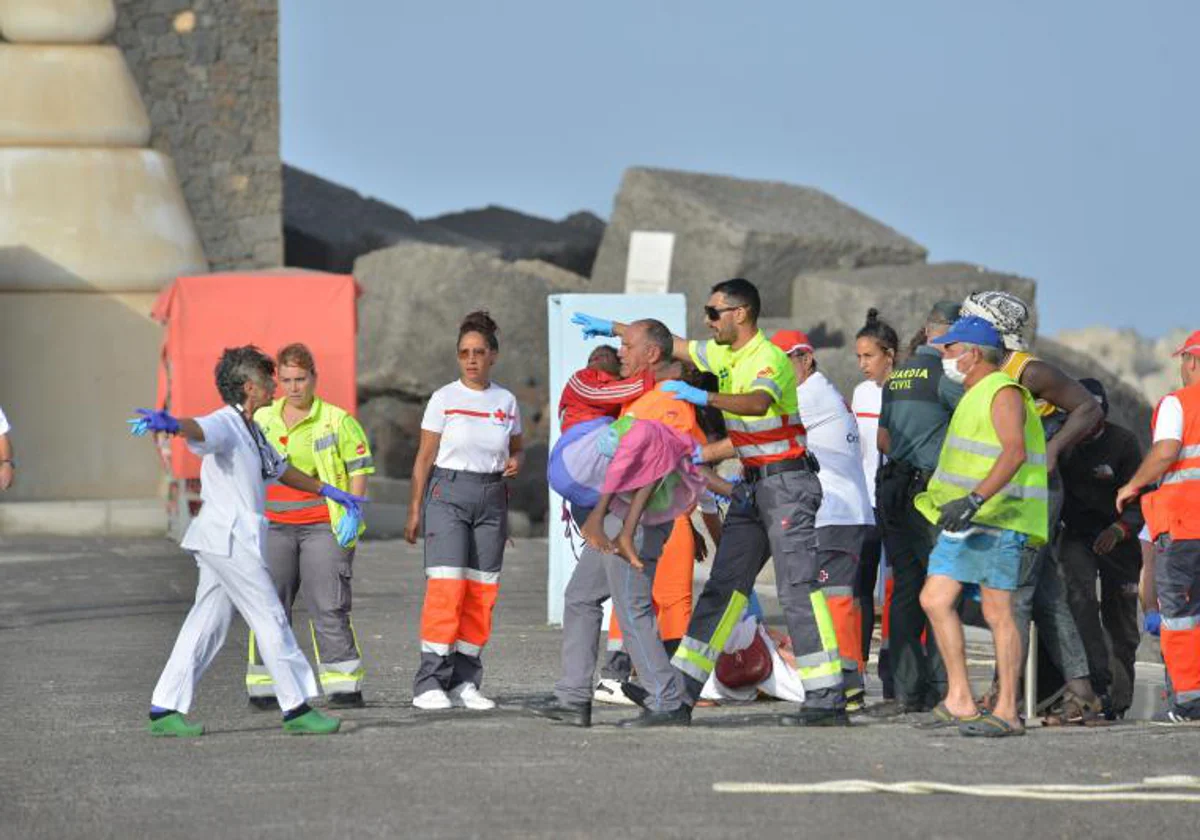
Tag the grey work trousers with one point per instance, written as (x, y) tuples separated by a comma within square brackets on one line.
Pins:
[(596, 578), (1042, 597), (307, 559), (779, 522)]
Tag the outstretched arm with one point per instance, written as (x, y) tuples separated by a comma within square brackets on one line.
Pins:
[(594, 327)]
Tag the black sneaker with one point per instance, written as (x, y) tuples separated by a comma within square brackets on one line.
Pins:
[(347, 700), (576, 714), (676, 717), (264, 704), (816, 717)]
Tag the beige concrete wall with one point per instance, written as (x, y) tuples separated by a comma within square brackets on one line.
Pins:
[(73, 366)]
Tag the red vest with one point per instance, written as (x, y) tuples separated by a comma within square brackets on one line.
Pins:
[(1174, 508)]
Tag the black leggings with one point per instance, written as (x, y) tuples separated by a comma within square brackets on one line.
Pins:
[(868, 576)]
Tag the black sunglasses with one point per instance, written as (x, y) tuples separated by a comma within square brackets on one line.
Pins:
[(712, 313)]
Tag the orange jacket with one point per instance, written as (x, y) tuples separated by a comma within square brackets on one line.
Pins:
[(1174, 508)]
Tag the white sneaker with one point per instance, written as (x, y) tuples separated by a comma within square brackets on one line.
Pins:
[(432, 700), (466, 695), (609, 691)]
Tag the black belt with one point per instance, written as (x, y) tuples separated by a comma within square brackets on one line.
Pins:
[(455, 475), (776, 467)]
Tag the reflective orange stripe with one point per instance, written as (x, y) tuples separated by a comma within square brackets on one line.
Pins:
[(1181, 650), (475, 619), (441, 611), (846, 612), (276, 492)]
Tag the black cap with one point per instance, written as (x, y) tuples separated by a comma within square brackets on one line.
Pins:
[(1096, 389), (944, 312)]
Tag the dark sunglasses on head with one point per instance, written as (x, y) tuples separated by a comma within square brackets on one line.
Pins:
[(712, 313)]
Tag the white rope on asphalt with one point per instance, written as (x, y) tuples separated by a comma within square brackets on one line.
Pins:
[(1150, 789)]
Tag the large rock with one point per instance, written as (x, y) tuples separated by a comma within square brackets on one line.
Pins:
[(1144, 364), (327, 227), (836, 302), (570, 244), (1126, 405), (727, 227), (414, 297)]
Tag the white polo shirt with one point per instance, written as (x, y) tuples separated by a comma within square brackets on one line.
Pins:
[(833, 438), (475, 426), (1169, 423), (866, 405), (232, 485)]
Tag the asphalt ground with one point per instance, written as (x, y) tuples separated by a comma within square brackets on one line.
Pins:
[(85, 626)]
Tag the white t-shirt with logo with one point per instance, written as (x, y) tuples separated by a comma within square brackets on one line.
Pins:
[(833, 438), (866, 405), (475, 426)]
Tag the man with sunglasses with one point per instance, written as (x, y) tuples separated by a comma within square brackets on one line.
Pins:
[(773, 513), (227, 539)]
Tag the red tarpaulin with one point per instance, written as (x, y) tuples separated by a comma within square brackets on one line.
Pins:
[(204, 315)]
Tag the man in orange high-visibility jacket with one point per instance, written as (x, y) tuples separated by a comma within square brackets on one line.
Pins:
[(1173, 517)]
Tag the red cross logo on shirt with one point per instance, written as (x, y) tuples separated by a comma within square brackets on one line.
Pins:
[(500, 415)]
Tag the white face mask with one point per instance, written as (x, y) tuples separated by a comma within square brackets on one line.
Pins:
[(950, 368)]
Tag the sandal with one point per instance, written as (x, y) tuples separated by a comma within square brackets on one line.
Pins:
[(1075, 711), (943, 718), (987, 725)]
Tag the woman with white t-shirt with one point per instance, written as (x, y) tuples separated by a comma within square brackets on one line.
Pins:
[(876, 345), (470, 442)]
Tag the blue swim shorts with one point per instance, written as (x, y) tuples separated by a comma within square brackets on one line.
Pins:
[(989, 557)]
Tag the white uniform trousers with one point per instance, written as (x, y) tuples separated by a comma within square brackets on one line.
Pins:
[(239, 582)]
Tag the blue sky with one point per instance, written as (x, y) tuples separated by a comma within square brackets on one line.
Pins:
[(1055, 140)]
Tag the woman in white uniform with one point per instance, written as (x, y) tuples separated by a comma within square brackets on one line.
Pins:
[(228, 538), (470, 443), (875, 345)]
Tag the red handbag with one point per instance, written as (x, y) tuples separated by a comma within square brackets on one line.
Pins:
[(748, 666)]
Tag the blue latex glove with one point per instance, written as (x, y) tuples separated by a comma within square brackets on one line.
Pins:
[(725, 500), (1152, 622), (593, 327), (152, 421), (698, 455), (347, 500), (684, 391), (347, 530)]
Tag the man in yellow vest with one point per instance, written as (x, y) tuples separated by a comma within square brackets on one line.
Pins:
[(988, 496), (1069, 414)]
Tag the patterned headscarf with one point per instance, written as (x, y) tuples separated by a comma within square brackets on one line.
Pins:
[(1006, 312)]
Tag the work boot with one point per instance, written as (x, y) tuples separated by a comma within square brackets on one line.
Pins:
[(174, 726), (312, 722), (816, 717), (347, 700), (648, 718), (576, 714), (264, 704)]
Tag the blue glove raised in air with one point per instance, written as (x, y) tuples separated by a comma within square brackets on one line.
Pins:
[(593, 326), (347, 500), (347, 529), (152, 421), (1152, 622), (684, 391)]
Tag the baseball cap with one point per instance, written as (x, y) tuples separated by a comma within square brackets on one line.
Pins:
[(791, 341), (1190, 345), (944, 312), (971, 330)]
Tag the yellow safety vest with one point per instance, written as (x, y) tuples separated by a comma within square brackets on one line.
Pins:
[(970, 450), (329, 426)]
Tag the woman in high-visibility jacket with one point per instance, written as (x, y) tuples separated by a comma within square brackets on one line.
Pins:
[(470, 443), (310, 543)]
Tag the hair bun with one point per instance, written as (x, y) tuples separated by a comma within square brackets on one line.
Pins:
[(872, 315), (479, 321)]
